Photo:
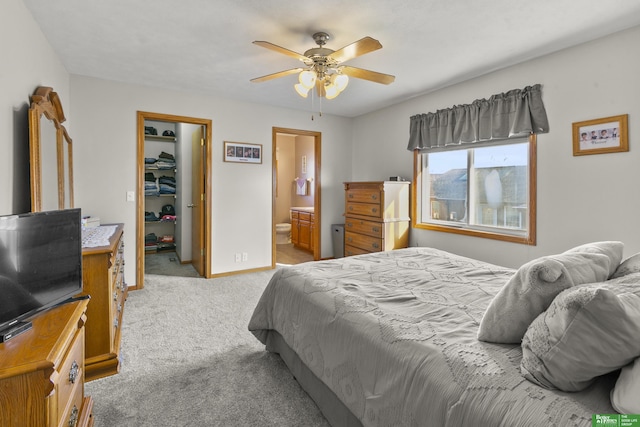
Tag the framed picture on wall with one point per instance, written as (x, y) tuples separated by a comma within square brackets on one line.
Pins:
[(606, 135), (242, 152)]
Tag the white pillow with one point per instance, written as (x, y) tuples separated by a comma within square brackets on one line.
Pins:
[(628, 266), (625, 396), (532, 288)]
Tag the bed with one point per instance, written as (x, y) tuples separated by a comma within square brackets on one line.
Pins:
[(391, 339)]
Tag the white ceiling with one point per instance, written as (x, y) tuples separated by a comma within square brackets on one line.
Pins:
[(204, 46)]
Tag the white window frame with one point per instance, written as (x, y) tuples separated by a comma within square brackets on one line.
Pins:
[(421, 204)]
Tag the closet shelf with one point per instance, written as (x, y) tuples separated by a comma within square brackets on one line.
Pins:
[(160, 138), (154, 169)]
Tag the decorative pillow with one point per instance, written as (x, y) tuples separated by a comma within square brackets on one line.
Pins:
[(611, 249), (587, 331), (532, 288), (624, 396), (628, 266)]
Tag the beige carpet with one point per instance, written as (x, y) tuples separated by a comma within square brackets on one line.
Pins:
[(189, 360)]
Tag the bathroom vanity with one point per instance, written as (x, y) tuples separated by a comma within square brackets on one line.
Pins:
[(302, 227)]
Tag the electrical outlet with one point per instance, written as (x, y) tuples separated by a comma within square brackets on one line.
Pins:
[(245, 256), (238, 257), (131, 196)]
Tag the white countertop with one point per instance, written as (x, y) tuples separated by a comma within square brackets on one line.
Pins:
[(303, 209)]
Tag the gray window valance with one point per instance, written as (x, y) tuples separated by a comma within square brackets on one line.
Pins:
[(512, 114)]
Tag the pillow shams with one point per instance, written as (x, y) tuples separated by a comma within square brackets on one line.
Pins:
[(587, 331), (628, 266), (532, 288), (625, 396)]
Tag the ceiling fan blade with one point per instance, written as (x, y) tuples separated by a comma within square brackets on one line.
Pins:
[(276, 75), (373, 76), (280, 49), (355, 49)]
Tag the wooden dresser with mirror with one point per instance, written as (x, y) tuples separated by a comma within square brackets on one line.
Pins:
[(51, 158)]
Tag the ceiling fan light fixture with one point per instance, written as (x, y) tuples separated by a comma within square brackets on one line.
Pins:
[(323, 70), (302, 91), (341, 81), (307, 78), (331, 91)]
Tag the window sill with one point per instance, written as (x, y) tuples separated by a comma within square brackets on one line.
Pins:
[(525, 240)]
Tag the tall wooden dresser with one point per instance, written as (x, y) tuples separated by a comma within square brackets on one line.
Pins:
[(376, 216), (103, 276), (42, 372)]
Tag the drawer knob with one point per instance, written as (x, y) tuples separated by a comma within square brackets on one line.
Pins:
[(374, 210), (375, 229), (73, 417), (375, 245), (374, 196), (349, 224), (349, 239), (350, 208), (351, 196), (73, 372)]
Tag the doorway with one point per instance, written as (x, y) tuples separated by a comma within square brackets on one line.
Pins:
[(187, 212), (296, 195)]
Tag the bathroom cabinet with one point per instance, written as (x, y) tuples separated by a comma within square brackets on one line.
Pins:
[(302, 228)]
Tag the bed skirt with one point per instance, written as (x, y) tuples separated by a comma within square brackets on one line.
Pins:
[(331, 407)]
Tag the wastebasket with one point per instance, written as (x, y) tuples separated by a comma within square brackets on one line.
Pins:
[(337, 234)]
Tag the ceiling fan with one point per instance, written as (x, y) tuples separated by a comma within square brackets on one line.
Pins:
[(323, 67)]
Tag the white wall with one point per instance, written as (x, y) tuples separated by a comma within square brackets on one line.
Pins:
[(104, 116), (28, 62), (580, 199)]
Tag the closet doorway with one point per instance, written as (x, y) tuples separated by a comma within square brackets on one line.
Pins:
[(173, 218), (296, 196)]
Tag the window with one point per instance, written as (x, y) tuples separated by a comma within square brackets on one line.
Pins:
[(487, 191)]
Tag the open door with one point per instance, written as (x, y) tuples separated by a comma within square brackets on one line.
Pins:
[(314, 230), (201, 226), (197, 200)]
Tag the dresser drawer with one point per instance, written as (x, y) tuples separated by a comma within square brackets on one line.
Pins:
[(364, 195), (73, 412), (364, 209), (371, 244), (304, 216), (352, 250), (69, 386), (370, 228)]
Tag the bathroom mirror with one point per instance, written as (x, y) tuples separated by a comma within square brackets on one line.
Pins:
[(50, 151)]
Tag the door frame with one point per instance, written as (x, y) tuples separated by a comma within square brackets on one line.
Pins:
[(317, 148), (141, 117)]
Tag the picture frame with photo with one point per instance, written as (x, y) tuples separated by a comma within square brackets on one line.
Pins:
[(605, 135), (242, 152)]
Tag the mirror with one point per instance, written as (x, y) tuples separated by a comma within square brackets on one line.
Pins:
[(50, 149)]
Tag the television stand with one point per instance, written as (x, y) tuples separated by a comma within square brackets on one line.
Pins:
[(16, 329), (42, 372)]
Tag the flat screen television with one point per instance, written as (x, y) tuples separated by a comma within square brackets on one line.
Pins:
[(40, 262)]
